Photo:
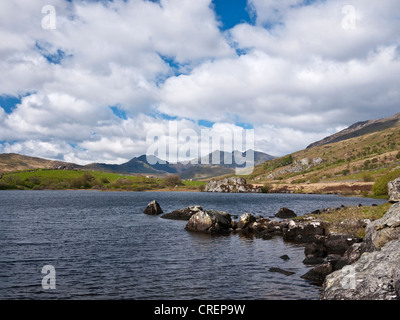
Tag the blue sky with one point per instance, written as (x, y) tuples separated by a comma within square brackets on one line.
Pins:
[(90, 90)]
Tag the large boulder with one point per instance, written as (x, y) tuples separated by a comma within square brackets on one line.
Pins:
[(374, 276), (394, 190), (285, 213), (182, 214), (374, 265), (153, 208), (383, 230), (210, 221)]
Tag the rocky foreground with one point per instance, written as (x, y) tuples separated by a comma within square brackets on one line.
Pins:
[(347, 266)]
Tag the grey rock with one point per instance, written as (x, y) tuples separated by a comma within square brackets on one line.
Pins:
[(233, 184), (285, 213), (153, 208), (318, 273), (245, 219), (383, 230), (210, 221), (282, 271), (394, 190), (374, 276), (182, 214)]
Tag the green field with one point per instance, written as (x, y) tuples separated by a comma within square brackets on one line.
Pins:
[(42, 179)]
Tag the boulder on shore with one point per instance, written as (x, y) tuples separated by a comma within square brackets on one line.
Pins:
[(210, 221), (182, 214), (394, 190), (153, 208), (285, 213), (375, 270)]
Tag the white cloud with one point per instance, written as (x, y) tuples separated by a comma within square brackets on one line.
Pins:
[(302, 75)]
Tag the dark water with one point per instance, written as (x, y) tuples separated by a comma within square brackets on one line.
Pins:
[(103, 247)]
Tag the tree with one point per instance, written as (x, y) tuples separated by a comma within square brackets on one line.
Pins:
[(173, 180)]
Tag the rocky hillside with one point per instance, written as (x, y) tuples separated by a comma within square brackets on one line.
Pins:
[(360, 129), (348, 166), (10, 162)]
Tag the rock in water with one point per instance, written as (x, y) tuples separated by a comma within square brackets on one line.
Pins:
[(210, 221), (285, 213), (245, 219), (279, 270), (182, 214), (394, 190), (153, 208)]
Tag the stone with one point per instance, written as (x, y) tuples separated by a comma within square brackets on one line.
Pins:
[(394, 190), (232, 184), (210, 221), (182, 214), (282, 271), (339, 243), (304, 231), (383, 230), (153, 208), (318, 273), (285, 213), (374, 276), (245, 219), (285, 257)]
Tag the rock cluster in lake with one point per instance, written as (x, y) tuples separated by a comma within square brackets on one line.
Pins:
[(233, 184), (348, 267)]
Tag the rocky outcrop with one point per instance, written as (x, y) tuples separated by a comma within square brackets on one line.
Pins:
[(233, 184), (375, 276), (296, 167), (383, 230), (304, 231), (285, 213), (153, 208), (394, 190), (182, 214), (210, 221), (373, 266)]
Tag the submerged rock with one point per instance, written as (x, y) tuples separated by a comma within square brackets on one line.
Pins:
[(282, 271), (153, 208), (210, 221)]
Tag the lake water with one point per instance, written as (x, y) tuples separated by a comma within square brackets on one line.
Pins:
[(103, 247)]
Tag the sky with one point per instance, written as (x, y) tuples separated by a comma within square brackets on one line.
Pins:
[(86, 81)]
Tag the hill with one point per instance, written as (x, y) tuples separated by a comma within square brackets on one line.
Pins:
[(360, 129), (348, 162), (10, 162)]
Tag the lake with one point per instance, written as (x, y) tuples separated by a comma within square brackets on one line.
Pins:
[(102, 246)]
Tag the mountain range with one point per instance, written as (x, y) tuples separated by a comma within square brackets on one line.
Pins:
[(140, 165)]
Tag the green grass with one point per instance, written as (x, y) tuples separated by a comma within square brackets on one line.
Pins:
[(43, 179)]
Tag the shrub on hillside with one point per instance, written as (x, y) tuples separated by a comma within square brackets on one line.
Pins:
[(380, 187)]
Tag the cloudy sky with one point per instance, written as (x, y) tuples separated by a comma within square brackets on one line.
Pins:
[(87, 81)]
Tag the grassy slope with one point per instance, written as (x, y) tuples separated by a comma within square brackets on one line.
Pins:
[(78, 179), (350, 166)]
